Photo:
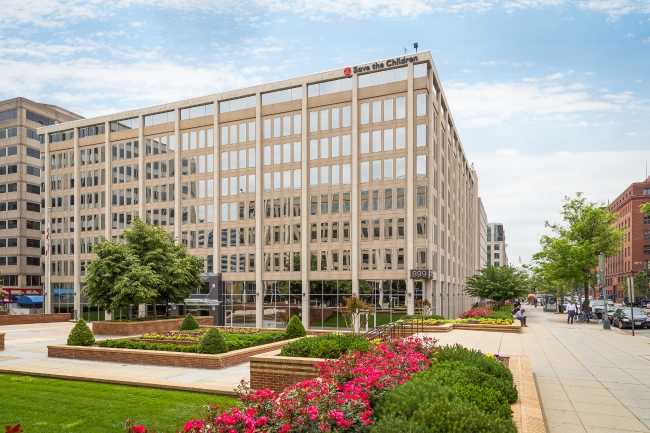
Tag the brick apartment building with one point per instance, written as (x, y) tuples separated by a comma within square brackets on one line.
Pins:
[(635, 254)]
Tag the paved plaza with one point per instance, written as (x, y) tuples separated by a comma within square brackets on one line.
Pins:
[(26, 351), (590, 380)]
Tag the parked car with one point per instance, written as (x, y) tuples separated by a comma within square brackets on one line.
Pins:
[(623, 318), (598, 307), (611, 309)]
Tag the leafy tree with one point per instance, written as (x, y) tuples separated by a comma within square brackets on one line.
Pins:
[(588, 231), (498, 283), (642, 284), (178, 272), (116, 278), (645, 208), (148, 267)]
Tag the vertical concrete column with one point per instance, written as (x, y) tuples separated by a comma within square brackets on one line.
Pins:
[(108, 167), (108, 186), (177, 176), (259, 209), (437, 205), (48, 228), (431, 186), (305, 262), (216, 198), (410, 192), (77, 225), (354, 229), (141, 173), (142, 308)]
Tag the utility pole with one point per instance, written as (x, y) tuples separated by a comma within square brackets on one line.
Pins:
[(630, 290), (601, 281)]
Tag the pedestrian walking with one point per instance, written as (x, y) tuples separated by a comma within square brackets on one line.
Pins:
[(521, 316), (571, 312)]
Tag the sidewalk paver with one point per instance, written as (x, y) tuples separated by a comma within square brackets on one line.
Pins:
[(590, 380)]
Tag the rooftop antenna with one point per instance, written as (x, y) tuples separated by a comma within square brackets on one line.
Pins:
[(405, 50), (415, 46)]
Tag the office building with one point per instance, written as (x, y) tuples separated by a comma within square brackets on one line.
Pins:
[(301, 193), (634, 256), (496, 245), (482, 225), (20, 192)]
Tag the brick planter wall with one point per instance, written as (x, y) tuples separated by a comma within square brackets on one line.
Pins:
[(269, 370), (155, 357), (527, 410), (25, 319), (144, 326), (515, 327), (2, 341)]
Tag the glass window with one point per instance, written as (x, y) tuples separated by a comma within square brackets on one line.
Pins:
[(286, 150), (286, 179), (277, 181), (335, 118), (277, 154), (324, 175), (347, 116), (388, 169), (347, 177), (335, 175), (224, 135), (252, 185), (347, 145), (251, 157), (376, 170), (313, 121), (224, 186), (365, 113), (388, 139), (421, 104), (276, 127), (251, 131), (400, 168), (400, 109), (365, 142), (335, 147), (297, 149), (388, 199), (242, 133), (267, 128), (286, 126), (313, 176), (233, 160), (400, 138), (224, 161), (313, 149), (324, 119), (267, 182), (242, 158), (324, 148), (297, 179), (388, 109), (267, 155), (421, 135), (376, 140), (376, 111), (297, 127), (421, 165), (365, 171)]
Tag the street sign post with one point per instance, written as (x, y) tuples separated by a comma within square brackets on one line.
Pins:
[(601, 281)]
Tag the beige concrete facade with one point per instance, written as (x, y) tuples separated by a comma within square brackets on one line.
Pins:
[(20, 189), (301, 192), (482, 235)]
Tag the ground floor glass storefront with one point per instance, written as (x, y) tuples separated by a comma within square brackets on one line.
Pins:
[(240, 302)]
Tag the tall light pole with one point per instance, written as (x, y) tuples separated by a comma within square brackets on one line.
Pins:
[(601, 281)]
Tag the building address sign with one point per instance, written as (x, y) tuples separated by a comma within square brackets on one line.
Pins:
[(421, 274)]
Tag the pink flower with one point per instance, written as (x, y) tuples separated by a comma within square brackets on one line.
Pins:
[(193, 425), (138, 429), (284, 428)]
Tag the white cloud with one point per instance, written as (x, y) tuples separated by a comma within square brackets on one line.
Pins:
[(57, 13), (489, 103), (525, 190)]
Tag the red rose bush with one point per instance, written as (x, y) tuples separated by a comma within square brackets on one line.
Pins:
[(339, 400)]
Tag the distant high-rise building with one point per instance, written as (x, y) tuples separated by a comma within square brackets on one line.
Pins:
[(482, 227), (634, 256), (20, 189), (496, 245)]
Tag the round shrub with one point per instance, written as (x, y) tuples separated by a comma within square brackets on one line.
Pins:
[(295, 328), (189, 323), (81, 335), (212, 342)]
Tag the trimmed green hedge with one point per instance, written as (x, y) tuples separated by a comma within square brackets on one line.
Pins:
[(464, 391), (233, 342), (326, 346)]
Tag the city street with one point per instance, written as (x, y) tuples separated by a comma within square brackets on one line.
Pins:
[(589, 380)]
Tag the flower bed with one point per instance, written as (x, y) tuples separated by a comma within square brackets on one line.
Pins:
[(139, 327), (326, 346), (188, 341)]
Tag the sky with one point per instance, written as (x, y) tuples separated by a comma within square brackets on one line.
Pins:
[(550, 97)]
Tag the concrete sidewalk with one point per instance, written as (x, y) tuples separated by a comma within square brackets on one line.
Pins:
[(589, 380), (26, 352)]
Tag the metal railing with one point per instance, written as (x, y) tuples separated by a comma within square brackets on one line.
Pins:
[(397, 329)]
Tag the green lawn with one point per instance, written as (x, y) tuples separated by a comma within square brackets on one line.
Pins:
[(63, 406)]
